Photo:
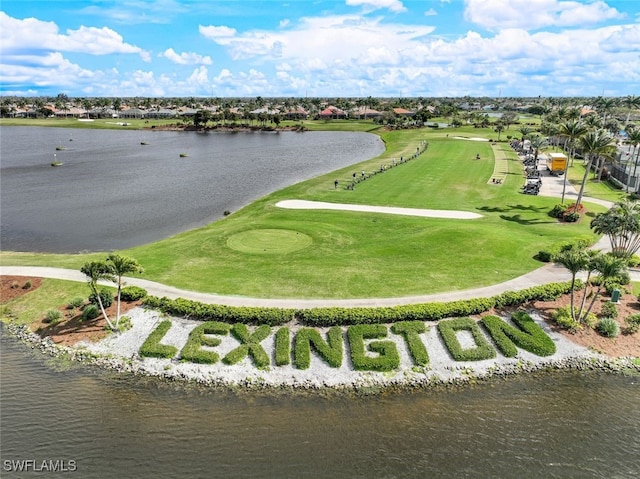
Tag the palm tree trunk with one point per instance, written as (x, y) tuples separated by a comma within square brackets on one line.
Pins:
[(584, 181), (584, 297)]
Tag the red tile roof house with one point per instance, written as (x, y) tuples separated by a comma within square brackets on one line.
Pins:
[(331, 112), (403, 112)]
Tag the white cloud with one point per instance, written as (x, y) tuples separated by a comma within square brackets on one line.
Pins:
[(430, 13), (185, 58), (330, 39), (215, 33), (284, 23), (36, 35), (535, 14), (371, 5), (51, 69), (200, 76)]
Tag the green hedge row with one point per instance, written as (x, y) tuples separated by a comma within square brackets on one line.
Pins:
[(532, 337), (215, 312), (449, 329), (327, 317), (387, 357), (152, 348)]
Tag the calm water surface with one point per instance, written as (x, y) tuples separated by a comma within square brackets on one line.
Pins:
[(114, 193), (561, 425)]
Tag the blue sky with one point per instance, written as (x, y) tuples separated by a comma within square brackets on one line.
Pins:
[(320, 48)]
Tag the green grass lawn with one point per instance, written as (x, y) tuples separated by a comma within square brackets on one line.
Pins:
[(51, 294), (339, 254)]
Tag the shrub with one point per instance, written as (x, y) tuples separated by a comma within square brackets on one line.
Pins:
[(90, 312), (611, 284), (124, 324), (76, 302), (449, 329), (633, 324), (53, 316), (387, 358), (591, 320), (192, 350), (530, 336), (562, 317), (558, 211), (571, 217), (608, 327), (106, 296), (634, 261), (152, 348), (132, 293), (27, 285), (544, 256), (608, 310)]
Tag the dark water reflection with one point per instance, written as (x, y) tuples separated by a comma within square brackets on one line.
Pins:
[(561, 425), (114, 193)]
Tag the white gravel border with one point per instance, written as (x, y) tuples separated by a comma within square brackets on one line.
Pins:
[(441, 369)]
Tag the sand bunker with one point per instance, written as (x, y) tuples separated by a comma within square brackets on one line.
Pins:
[(320, 205), (473, 138)]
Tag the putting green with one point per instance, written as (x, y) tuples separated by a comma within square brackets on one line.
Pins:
[(269, 241)]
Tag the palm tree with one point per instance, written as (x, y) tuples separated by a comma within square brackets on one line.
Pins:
[(621, 223), (593, 144), (608, 266), (575, 260), (632, 102), (499, 127), (592, 121), (633, 138), (605, 105), (120, 266), (537, 143), (96, 271), (525, 131), (572, 129)]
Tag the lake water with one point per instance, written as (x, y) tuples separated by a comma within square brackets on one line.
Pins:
[(112, 192), (559, 425)]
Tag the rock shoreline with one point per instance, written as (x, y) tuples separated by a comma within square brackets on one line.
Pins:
[(357, 383)]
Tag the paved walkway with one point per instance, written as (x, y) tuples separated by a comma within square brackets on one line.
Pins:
[(549, 273)]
